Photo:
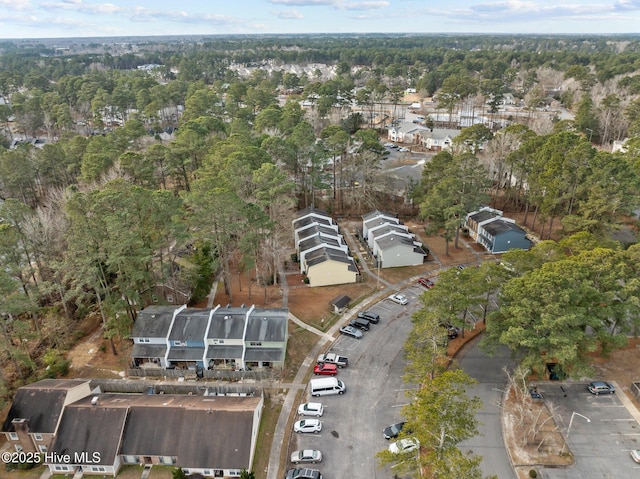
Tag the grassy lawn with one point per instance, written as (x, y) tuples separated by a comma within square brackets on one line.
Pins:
[(34, 473), (160, 472)]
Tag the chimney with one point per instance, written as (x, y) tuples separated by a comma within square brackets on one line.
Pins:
[(21, 427)]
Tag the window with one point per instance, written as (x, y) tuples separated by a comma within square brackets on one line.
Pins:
[(18, 447), (61, 468), (42, 448), (168, 460), (234, 472), (13, 436), (98, 469), (179, 343), (37, 436), (144, 340), (256, 343)]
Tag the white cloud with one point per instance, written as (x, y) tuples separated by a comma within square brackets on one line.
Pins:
[(16, 4), (304, 3), (290, 14), (365, 5), (80, 7)]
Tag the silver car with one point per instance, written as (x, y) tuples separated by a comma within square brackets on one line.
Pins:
[(351, 331), (306, 455)]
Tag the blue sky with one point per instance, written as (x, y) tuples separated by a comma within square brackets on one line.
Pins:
[(96, 18)]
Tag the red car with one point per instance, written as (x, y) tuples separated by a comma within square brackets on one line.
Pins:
[(427, 283), (325, 369)]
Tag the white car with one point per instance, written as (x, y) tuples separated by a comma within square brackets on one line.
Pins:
[(635, 455), (403, 150), (306, 455), (308, 425), (398, 298), (404, 445), (311, 409)]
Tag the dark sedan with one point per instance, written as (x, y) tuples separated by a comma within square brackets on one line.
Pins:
[(392, 431)]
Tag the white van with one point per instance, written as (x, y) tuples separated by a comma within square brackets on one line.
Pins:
[(326, 386)]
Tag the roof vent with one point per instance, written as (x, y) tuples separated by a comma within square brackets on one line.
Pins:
[(94, 401)]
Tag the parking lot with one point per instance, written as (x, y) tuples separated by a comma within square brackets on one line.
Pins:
[(353, 423), (601, 434)]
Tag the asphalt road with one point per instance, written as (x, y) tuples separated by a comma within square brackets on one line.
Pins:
[(488, 371)]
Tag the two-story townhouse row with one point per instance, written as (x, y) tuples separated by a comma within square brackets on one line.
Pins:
[(496, 233), (321, 250), (97, 433), (218, 338), (390, 241)]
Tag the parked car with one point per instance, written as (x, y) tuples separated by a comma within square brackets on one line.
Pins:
[(311, 409), (308, 425), (298, 473), (601, 387), (403, 150), (325, 369), (332, 358), (404, 445), (360, 323), (398, 298), (351, 331), (452, 331), (370, 316), (635, 455), (306, 455), (461, 267), (392, 431), (427, 283)]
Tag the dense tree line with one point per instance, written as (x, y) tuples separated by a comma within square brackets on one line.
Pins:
[(107, 210)]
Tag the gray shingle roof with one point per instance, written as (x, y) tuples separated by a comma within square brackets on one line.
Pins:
[(153, 322), (190, 324), (92, 429), (481, 216), (227, 323), (41, 404), (267, 325), (499, 226)]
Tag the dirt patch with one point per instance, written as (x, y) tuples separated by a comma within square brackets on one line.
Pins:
[(92, 357), (623, 367)]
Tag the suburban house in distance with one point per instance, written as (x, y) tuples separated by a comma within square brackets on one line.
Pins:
[(407, 133), (496, 233), (98, 433), (390, 242), (212, 338), (439, 139), (321, 250), (35, 412)]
